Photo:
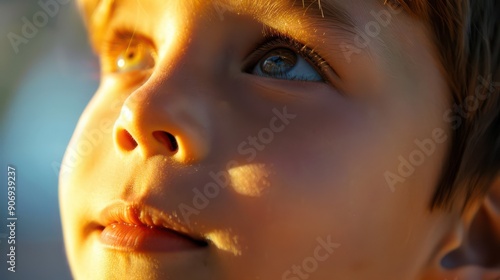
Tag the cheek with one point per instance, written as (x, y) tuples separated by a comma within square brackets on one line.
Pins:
[(85, 160), (85, 178), (328, 179), (93, 134)]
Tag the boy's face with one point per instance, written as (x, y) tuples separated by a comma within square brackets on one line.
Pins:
[(278, 161)]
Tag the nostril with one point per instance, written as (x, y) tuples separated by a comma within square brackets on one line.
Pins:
[(127, 141), (166, 139)]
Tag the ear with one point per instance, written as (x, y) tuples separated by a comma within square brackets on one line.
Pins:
[(475, 251)]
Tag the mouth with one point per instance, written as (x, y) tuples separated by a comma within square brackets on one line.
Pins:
[(129, 227)]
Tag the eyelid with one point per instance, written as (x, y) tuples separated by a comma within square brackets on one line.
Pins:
[(274, 39), (115, 40)]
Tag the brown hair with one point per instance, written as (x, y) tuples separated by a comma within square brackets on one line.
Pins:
[(467, 36)]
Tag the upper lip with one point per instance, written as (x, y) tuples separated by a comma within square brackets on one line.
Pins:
[(144, 215)]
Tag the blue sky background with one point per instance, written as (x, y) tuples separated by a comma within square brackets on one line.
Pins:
[(43, 90)]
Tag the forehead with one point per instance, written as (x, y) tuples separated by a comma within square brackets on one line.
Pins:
[(328, 11), (304, 19), (325, 5)]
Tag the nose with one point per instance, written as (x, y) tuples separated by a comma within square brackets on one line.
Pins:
[(159, 119)]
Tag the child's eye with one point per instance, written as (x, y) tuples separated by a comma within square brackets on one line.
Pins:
[(134, 58), (285, 59), (127, 53)]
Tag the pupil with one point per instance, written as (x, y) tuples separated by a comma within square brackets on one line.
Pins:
[(131, 54), (279, 61)]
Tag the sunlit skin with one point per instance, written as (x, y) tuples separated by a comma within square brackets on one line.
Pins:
[(321, 176)]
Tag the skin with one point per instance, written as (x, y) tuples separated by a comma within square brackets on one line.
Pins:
[(321, 176)]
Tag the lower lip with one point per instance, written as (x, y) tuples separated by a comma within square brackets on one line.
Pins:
[(144, 239)]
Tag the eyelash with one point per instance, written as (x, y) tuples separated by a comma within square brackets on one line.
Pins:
[(274, 39)]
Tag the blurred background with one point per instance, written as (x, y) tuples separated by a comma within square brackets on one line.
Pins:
[(47, 76)]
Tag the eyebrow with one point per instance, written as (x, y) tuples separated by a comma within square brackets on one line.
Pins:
[(328, 12), (315, 13)]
